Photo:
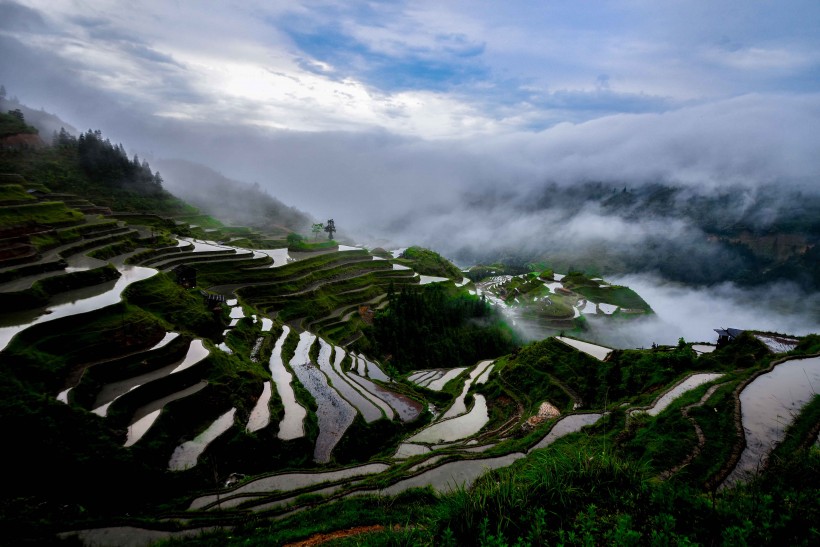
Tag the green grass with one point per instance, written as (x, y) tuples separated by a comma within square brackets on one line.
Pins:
[(46, 212), (44, 353), (13, 125), (427, 262), (305, 246), (14, 193), (615, 295), (185, 310), (203, 221)]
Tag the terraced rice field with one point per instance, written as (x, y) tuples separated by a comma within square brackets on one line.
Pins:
[(291, 379)]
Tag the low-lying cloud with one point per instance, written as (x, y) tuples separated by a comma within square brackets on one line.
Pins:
[(692, 313)]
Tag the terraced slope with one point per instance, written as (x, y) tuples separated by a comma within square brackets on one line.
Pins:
[(252, 375)]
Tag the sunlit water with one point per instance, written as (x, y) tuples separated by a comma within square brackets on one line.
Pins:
[(426, 279), (114, 390), (373, 370), (376, 401), (408, 450), (439, 383), (486, 376), (458, 407), (407, 408), (565, 426), (451, 476), (599, 352)]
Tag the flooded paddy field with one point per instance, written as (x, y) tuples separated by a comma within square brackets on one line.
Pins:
[(187, 454), (451, 476), (73, 303), (599, 352), (460, 427), (369, 411), (406, 408), (145, 416), (287, 482), (292, 425), (458, 407), (335, 414), (112, 391), (260, 415), (768, 406), (688, 384), (566, 425)]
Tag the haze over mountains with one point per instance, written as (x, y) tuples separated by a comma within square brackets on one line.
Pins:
[(543, 214), (484, 133), (234, 202)]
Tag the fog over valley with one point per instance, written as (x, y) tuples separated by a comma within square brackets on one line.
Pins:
[(410, 272), (456, 132)]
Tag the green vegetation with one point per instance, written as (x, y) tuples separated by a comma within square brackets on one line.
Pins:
[(628, 479), (96, 169), (299, 243), (46, 212), (13, 122), (615, 295), (43, 289), (435, 326), (427, 262), (14, 194), (479, 272), (180, 307)]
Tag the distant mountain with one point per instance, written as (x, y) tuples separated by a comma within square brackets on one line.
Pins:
[(749, 235), (232, 201)]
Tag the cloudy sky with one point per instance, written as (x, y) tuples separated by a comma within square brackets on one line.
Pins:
[(392, 116), (363, 110)]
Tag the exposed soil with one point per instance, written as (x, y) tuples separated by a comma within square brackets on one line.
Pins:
[(319, 539)]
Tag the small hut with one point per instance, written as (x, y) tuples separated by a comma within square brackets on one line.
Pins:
[(186, 275), (727, 335)]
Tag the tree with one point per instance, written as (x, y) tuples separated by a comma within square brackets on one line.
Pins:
[(294, 239), (330, 228), (318, 227), (2, 92)]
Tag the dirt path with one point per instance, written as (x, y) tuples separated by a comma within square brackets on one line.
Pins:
[(319, 539)]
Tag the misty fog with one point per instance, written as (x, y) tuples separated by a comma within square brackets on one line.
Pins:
[(692, 312), (479, 166)]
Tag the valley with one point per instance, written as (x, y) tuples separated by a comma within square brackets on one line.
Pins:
[(168, 377)]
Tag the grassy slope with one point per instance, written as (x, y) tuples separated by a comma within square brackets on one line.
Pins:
[(427, 262)]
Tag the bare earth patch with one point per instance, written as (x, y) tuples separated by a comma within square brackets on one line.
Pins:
[(319, 539)]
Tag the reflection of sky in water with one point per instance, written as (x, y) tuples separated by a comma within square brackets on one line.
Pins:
[(73, 303), (769, 405)]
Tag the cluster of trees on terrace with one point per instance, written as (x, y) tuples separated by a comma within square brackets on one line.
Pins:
[(437, 326)]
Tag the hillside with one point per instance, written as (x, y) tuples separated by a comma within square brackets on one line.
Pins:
[(234, 202), (748, 235), (166, 376)]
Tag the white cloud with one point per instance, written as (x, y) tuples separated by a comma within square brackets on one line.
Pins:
[(693, 313)]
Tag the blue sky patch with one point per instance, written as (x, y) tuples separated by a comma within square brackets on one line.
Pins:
[(456, 62)]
